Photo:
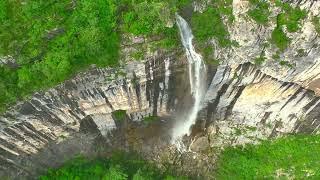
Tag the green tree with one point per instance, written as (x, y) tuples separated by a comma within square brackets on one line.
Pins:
[(209, 24)]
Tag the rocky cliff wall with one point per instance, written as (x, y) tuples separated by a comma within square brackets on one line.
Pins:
[(242, 105), (302, 53)]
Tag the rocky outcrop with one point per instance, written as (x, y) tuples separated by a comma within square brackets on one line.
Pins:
[(245, 105), (238, 98), (88, 99), (302, 53)]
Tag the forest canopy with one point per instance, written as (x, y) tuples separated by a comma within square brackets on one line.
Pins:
[(48, 41)]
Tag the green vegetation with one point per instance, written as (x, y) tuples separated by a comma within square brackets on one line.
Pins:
[(209, 24), (295, 157), (286, 63), (316, 23), (150, 119), (138, 55), (52, 40), (261, 59), (276, 56), (120, 166), (290, 18), (225, 8), (279, 38), (208, 52), (260, 11), (119, 115), (146, 18)]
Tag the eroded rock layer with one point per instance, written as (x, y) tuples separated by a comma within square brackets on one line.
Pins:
[(242, 105)]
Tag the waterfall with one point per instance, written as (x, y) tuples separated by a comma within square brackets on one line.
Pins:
[(197, 72)]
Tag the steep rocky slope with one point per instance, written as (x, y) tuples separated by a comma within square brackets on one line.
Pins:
[(302, 53)]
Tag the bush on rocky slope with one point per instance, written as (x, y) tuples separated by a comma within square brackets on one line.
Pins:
[(260, 11), (289, 18), (209, 24)]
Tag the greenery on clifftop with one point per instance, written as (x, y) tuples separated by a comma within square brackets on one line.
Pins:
[(208, 25), (292, 157), (121, 166), (52, 40)]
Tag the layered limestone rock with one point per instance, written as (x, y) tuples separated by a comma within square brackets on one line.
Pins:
[(245, 105), (242, 105), (303, 52)]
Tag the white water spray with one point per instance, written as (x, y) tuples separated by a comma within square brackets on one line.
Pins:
[(197, 72)]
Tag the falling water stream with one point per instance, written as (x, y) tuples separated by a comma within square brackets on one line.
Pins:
[(197, 72)]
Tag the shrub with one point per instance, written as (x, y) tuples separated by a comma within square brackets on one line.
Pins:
[(279, 38), (260, 11), (291, 17), (209, 24)]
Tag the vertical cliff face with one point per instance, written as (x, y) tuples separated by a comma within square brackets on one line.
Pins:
[(245, 105), (242, 104), (56, 115), (300, 59)]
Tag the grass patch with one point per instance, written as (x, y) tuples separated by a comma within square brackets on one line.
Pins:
[(119, 115), (171, 39), (260, 11), (145, 18), (120, 166), (292, 156)]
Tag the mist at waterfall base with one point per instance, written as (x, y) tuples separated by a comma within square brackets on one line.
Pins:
[(197, 73)]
